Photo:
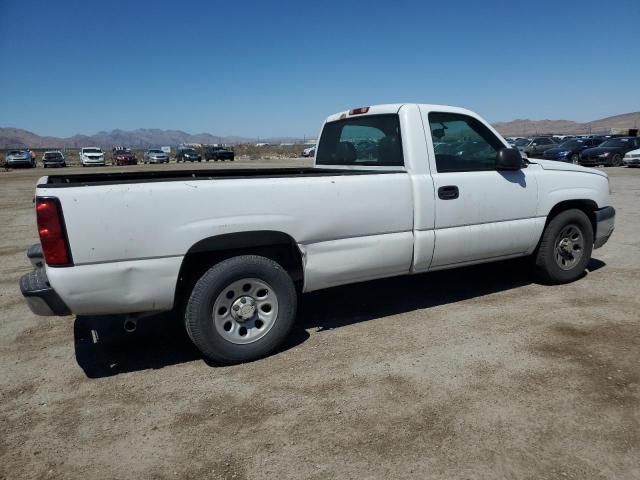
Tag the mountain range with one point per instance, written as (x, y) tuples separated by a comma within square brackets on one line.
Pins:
[(534, 127), (145, 137), (142, 137)]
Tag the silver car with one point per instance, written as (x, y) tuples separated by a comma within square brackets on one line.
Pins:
[(155, 156), (20, 158)]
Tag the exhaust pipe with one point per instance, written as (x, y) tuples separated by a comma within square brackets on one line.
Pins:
[(130, 325)]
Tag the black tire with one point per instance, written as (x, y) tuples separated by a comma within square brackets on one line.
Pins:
[(616, 160), (575, 158), (199, 309), (549, 255)]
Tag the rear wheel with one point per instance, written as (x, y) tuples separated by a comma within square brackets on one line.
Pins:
[(241, 309), (565, 248), (575, 158)]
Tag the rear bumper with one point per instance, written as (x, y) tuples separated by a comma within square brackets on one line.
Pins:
[(605, 223), (40, 296), (19, 162)]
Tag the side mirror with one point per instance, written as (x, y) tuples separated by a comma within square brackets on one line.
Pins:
[(509, 159)]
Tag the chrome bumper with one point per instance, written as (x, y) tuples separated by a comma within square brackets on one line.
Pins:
[(39, 294), (605, 223)]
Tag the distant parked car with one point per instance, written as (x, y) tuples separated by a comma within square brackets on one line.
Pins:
[(155, 156), (520, 143), (20, 158), (123, 156), (187, 154), (53, 158), (309, 151), (517, 141), (632, 158), (610, 152), (569, 151), (218, 152), (92, 156), (537, 146)]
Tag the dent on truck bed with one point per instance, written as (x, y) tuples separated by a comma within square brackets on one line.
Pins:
[(118, 287)]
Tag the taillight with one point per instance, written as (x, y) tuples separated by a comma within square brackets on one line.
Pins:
[(53, 235)]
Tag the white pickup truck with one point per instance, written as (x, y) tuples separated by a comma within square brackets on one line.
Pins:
[(395, 189)]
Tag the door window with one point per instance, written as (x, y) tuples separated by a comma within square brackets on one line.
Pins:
[(462, 143)]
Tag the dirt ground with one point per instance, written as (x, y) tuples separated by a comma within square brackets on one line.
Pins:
[(472, 373)]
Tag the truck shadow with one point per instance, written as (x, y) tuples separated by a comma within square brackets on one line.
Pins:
[(104, 349)]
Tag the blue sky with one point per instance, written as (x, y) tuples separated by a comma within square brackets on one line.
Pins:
[(279, 68)]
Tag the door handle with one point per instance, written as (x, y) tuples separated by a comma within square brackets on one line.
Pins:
[(450, 192)]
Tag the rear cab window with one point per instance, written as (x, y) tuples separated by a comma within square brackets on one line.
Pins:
[(372, 140)]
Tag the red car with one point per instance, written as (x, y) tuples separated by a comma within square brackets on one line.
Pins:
[(123, 156)]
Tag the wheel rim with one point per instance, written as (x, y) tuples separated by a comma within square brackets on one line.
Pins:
[(575, 158), (569, 247), (245, 311), (617, 160)]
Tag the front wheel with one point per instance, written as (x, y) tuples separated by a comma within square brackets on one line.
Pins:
[(575, 158), (565, 248), (616, 161), (241, 309)]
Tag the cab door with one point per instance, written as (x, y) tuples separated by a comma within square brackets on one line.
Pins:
[(481, 213)]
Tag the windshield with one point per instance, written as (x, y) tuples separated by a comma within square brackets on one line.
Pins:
[(617, 142), (52, 155), (156, 151), (14, 152), (521, 142), (190, 151), (91, 150)]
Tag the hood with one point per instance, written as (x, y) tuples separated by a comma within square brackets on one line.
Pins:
[(599, 150), (557, 150), (567, 167)]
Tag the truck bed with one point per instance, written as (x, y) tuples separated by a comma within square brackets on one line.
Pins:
[(115, 178)]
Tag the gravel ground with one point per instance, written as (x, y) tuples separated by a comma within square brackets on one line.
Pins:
[(471, 373)]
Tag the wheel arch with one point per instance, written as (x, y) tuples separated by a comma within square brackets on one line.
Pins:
[(586, 205), (278, 246)]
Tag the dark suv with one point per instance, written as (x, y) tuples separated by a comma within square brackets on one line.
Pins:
[(187, 154), (216, 152), (538, 145), (610, 152)]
